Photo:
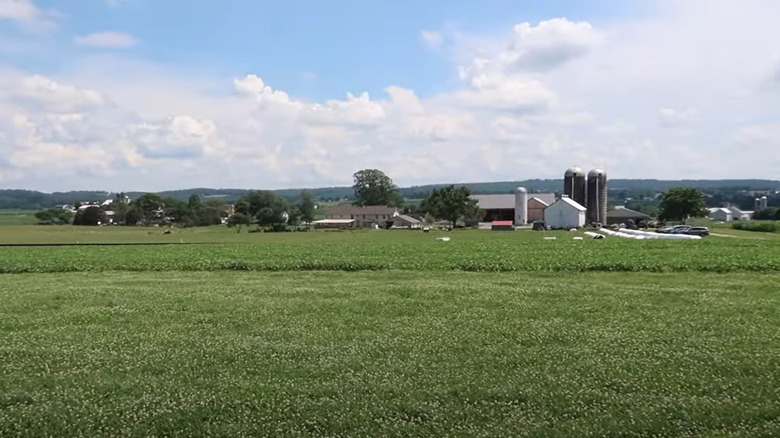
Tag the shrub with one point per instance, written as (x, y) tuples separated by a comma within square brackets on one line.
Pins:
[(765, 227)]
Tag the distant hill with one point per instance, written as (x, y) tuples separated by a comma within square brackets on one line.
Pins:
[(32, 200)]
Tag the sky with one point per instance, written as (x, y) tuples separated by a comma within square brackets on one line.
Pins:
[(151, 95)]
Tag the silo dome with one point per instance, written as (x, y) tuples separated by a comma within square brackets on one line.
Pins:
[(574, 171), (522, 190), (596, 173)]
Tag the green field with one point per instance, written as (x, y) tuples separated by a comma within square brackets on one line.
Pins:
[(17, 217), (387, 333)]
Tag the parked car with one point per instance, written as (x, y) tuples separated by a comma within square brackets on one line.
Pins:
[(698, 231), (664, 230), (680, 229), (539, 226)]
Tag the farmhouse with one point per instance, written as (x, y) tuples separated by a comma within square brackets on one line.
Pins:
[(367, 216), (502, 207), (622, 215), (565, 213)]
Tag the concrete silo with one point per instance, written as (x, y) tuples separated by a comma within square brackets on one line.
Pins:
[(521, 206), (597, 196), (574, 185), (757, 204), (764, 203)]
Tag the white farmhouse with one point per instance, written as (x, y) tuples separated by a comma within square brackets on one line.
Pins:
[(721, 214), (565, 213)]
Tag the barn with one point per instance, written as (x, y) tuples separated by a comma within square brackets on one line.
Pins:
[(565, 213)]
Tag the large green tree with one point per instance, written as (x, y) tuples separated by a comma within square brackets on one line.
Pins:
[(680, 203), (264, 207), (450, 203), (306, 206), (373, 187)]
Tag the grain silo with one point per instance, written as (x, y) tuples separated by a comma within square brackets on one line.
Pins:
[(757, 204), (574, 185), (521, 206), (764, 203), (597, 196)]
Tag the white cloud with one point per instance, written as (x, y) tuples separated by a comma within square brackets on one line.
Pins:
[(546, 96), (28, 14), (432, 39), (107, 40)]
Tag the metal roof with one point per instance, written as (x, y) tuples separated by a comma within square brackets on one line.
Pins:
[(347, 209), (573, 203), (626, 213), (334, 221), (406, 218)]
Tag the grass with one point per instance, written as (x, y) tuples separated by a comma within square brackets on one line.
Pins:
[(17, 217), (389, 354)]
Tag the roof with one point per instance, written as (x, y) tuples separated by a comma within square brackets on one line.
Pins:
[(347, 209), (406, 218), (721, 210), (333, 221), (572, 203), (626, 213), (507, 202)]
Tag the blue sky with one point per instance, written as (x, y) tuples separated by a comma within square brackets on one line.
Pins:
[(148, 95)]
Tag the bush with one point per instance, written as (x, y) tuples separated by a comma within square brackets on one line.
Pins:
[(764, 227)]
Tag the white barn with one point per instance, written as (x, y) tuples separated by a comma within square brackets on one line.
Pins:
[(565, 213), (721, 214)]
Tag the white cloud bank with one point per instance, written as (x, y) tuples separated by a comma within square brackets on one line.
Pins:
[(671, 96)]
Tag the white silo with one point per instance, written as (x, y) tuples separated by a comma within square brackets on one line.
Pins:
[(764, 203), (757, 204), (521, 206)]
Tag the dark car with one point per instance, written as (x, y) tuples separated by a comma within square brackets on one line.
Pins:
[(698, 231), (539, 226), (680, 229)]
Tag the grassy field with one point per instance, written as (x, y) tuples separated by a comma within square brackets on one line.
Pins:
[(389, 354), (386, 333), (17, 217)]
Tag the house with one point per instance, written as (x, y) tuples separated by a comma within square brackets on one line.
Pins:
[(502, 207), (565, 213), (404, 221), (368, 216), (739, 215), (333, 224), (721, 214), (622, 215)]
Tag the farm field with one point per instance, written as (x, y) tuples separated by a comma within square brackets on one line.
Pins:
[(17, 217), (398, 353), (386, 333)]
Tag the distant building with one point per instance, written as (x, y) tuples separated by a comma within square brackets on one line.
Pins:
[(404, 221), (334, 223), (369, 216), (624, 215), (565, 213), (502, 207), (721, 214)]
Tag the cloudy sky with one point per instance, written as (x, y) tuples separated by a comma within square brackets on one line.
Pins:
[(154, 95)]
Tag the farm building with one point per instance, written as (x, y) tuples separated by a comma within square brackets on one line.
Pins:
[(502, 226), (333, 224), (502, 207), (721, 214), (565, 213), (365, 217), (404, 221), (623, 215)]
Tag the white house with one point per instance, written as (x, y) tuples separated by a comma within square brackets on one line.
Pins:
[(565, 213), (721, 214)]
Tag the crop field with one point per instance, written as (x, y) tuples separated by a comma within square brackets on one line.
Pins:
[(386, 333)]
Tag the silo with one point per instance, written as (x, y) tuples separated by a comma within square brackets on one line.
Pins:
[(597, 196), (521, 206), (764, 203), (757, 204), (574, 185)]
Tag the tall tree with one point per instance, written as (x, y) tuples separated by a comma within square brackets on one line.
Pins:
[(266, 208), (373, 187), (680, 203), (450, 203), (306, 206)]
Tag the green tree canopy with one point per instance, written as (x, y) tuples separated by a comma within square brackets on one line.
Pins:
[(55, 216), (450, 203), (680, 203), (306, 206), (91, 215), (373, 187), (266, 208)]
